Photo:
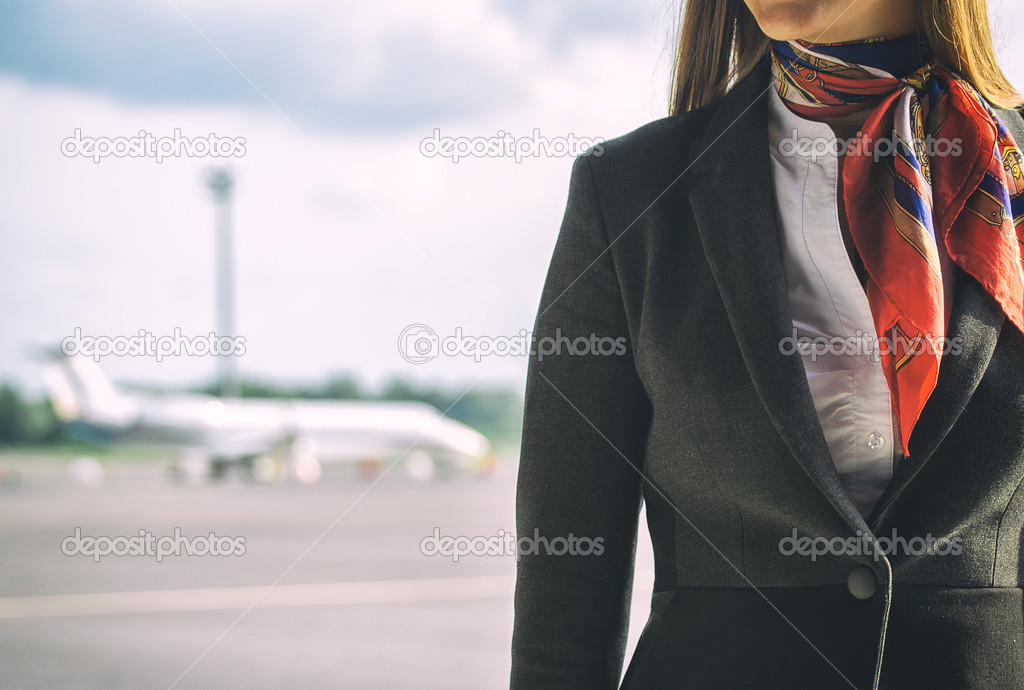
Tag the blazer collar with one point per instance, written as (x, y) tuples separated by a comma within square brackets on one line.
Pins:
[(732, 199)]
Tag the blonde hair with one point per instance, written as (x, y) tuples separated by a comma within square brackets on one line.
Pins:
[(720, 43)]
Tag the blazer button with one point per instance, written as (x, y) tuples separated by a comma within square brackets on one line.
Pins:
[(862, 582)]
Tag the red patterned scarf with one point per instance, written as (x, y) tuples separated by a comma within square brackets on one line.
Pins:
[(948, 170)]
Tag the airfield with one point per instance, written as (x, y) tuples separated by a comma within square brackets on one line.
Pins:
[(332, 590)]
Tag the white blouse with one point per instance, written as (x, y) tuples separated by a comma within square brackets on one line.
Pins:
[(829, 306)]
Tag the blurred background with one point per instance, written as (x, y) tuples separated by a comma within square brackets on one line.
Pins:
[(278, 175)]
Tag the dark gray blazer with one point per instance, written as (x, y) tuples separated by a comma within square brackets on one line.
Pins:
[(670, 241)]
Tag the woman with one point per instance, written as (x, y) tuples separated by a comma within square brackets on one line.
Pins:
[(821, 516)]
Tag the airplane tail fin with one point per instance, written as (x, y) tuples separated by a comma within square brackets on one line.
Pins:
[(80, 391)]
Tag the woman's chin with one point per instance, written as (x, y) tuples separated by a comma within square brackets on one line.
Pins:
[(790, 19)]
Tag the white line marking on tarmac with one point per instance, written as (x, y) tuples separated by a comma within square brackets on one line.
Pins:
[(222, 598)]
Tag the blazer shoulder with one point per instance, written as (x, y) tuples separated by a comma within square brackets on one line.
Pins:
[(669, 146), (670, 142)]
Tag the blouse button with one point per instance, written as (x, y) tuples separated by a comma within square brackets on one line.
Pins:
[(875, 441)]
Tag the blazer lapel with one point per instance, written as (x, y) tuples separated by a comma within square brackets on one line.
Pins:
[(731, 195)]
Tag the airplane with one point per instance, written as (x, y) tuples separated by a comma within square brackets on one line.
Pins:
[(266, 439)]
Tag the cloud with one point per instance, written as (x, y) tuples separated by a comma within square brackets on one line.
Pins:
[(390, 65)]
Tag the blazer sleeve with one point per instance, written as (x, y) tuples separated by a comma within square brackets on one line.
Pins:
[(585, 426)]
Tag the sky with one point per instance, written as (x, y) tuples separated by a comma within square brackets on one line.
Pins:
[(346, 234)]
